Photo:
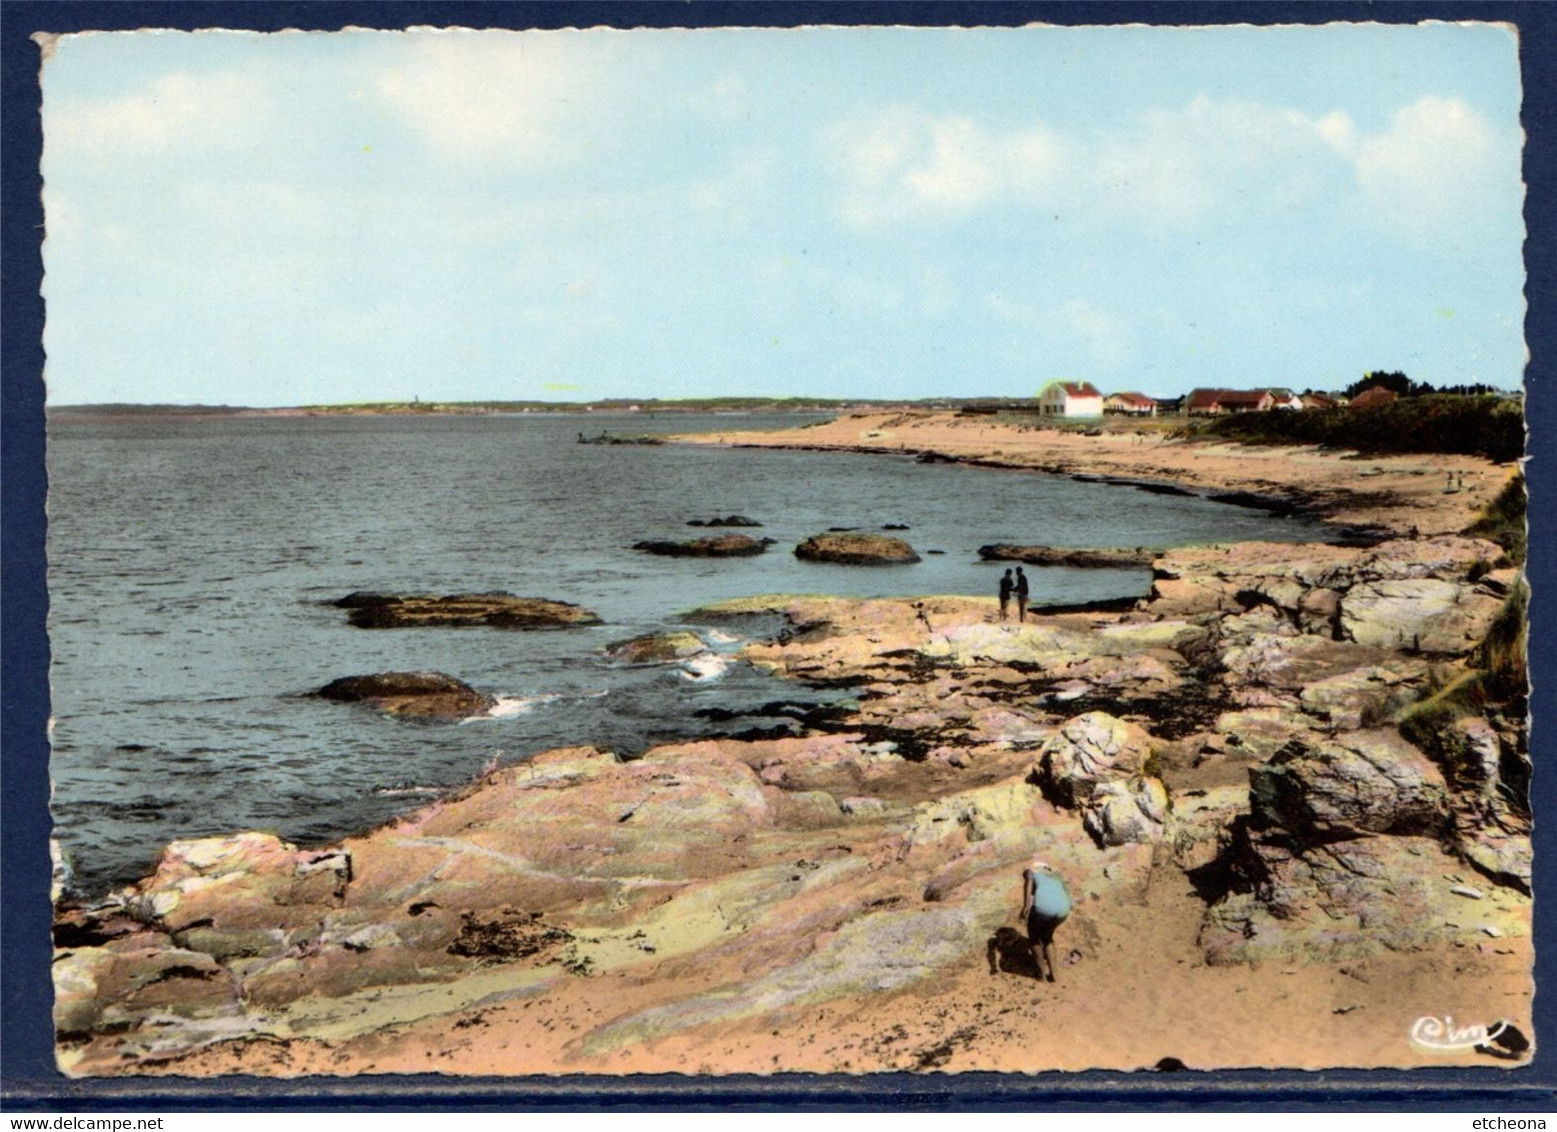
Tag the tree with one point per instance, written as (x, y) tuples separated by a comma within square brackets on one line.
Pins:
[(1393, 380)]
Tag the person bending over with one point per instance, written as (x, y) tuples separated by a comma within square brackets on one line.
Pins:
[(1045, 906)]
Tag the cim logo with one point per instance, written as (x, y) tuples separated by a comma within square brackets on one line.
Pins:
[(1435, 1035)]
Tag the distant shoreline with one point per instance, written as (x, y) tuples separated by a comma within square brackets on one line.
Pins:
[(720, 407), (1376, 496)]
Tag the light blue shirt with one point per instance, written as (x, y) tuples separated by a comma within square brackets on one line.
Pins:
[(1049, 896)]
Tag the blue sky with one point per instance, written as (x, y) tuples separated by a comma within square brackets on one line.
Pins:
[(304, 218)]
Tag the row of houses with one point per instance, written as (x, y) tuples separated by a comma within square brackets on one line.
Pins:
[(1082, 399)]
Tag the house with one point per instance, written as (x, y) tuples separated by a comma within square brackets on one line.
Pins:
[(1284, 399), (1130, 404), (1214, 402), (1319, 401), (1245, 400), (1373, 397), (1070, 399), (1204, 402)]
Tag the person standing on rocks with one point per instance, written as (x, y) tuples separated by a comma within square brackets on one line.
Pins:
[(1045, 906), (1021, 595), (1005, 593)]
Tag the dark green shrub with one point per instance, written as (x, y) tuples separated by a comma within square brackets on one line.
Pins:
[(1487, 426)]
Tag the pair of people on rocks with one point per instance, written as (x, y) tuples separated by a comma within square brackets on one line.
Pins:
[(1017, 586)]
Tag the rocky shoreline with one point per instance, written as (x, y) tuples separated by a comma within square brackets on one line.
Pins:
[(1268, 783)]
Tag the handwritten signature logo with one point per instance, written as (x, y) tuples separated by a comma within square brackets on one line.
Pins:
[(1441, 1035)]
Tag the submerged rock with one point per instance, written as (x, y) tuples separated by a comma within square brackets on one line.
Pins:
[(856, 550), (714, 546), (430, 694), (498, 610), (727, 521), (655, 648)]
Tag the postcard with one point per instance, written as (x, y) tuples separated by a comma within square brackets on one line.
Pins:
[(764, 551)]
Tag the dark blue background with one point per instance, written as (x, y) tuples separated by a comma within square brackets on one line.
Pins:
[(28, 1080)]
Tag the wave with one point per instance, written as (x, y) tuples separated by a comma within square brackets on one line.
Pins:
[(508, 707), (705, 666)]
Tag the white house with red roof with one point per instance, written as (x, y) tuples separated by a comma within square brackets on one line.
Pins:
[(1070, 399)]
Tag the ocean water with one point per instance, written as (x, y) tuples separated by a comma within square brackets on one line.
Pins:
[(192, 563)]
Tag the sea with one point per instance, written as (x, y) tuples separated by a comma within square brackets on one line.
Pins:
[(194, 560)]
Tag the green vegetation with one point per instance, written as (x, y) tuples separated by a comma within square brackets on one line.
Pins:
[(1503, 521), (1501, 654), (1428, 723), (1152, 767), (1489, 426), (1398, 383), (1498, 680)]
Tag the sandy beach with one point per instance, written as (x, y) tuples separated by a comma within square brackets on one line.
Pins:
[(1390, 494)]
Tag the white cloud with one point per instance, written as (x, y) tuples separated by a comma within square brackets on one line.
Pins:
[(504, 98), (1105, 334), (1437, 161), (1179, 165), (937, 295), (246, 205), (903, 162), (181, 111), (727, 99), (1074, 333), (1211, 161), (736, 196)]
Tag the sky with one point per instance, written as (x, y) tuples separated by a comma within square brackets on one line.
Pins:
[(306, 218)]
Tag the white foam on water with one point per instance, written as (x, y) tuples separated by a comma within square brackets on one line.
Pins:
[(509, 706), (706, 666), (398, 791), (720, 637)]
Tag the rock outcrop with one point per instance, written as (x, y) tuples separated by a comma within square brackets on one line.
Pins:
[(1413, 595), (1090, 750), (1344, 851), (1122, 811), (856, 550), (1361, 783), (497, 610), (730, 883), (427, 694), (1101, 765)]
